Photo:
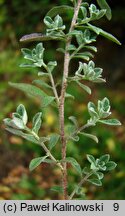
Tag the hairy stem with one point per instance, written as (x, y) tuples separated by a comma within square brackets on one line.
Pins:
[(62, 98), (79, 185)]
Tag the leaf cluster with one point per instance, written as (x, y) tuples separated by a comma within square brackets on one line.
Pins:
[(100, 112), (97, 167)]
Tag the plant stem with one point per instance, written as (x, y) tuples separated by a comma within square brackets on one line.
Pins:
[(62, 98), (79, 185), (52, 83), (48, 153), (54, 88), (76, 51)]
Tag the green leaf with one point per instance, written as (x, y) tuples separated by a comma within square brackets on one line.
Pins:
[(37, 122), (104, 5), (93, 48), (59, 10), (74, 163), (42, 83), (100, 175), (85, 55), (110, 165), (36, 162), (37, 37), (112, 122), (86, 88), (96, 182), (27, 53), (29, 89), (92, 110), (24, 135), (15, 123), (93, 137), (107, 35), (91, 159), (53, 140), (34, 92), (106, 104), (22, 112), (105, 158), (61, 50), (67, 95), (71, 47), (86, 170), (47, 100), (51, 65), (74, 120), (74, 138)]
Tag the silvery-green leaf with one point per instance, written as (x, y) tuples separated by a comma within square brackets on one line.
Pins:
[(45, 101), (58, 21), (22, 112), (104, 5), (34, 92), (100, 175), (99, 31), (37, 122), (74, 120), (61, 50), (86, 88), (96, 182), (93, 48), (51, 65), (91, 159), (67, 95), (7, 121), (40, 50), (86, 170), (16, 115), (93, 137), (74, 163), (17, 123), (84, 12), (17, 132), (80, 68), (53, 139), (42, 83), (59, 10), (36, 162), (74, 138), (92, 110), (112, 122), (110, 165), (27, 54), (27, 65), (104, 158), (79, 37), (29, 89), (83, 56), (106, 104), (43, 139), (48, 21)]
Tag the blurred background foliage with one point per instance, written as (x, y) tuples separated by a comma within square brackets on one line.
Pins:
[(18, 18)]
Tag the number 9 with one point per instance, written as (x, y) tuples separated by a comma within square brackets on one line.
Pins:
[(116, 206)]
